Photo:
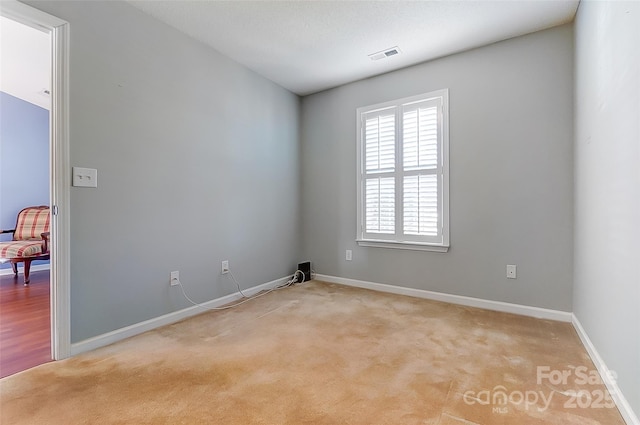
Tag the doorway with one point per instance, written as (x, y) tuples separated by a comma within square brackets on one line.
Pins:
[(25, 104), (59, 179)]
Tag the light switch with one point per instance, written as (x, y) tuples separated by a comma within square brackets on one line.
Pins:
[(85, 177)]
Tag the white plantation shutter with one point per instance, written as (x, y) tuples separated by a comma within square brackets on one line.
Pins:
[(380, 145), (403, 179), (420, 138), (420, 154), (380, 205), (380, 161), (421, 205)]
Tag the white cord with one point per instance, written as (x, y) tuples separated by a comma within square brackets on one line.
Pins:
[(289, 283), (226, 306), (237, 284)]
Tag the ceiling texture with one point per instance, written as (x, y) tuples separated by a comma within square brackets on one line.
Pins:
[(308, 46)]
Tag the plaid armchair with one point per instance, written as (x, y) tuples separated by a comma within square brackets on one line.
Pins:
[(30, 239)]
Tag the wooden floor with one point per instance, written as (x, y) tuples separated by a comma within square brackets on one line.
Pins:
[(25, 335)]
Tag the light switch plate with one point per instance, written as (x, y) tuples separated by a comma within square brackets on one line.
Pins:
[(85, 177), (511, 271)]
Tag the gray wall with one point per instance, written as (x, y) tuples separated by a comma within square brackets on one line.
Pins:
[(197, 162), (607, 178), (511, 178)]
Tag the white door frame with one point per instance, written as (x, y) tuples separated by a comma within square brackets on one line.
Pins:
[(59, 167)]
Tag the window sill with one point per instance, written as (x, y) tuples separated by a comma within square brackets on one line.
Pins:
[(402, 245)]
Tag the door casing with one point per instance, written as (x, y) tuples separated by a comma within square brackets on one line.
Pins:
[(60, 176)]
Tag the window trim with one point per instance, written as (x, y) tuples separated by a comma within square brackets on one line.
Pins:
[(443, 244)]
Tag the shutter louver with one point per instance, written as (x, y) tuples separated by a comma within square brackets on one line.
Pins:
[(420, 141), (421, 205), (380, 197), (380, 143)]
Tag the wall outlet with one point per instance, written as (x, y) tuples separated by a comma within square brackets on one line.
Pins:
[(174, 278), (349, 255), (511, 271), (225, 267)]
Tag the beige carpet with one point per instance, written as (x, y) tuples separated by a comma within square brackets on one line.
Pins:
[(321, 354)]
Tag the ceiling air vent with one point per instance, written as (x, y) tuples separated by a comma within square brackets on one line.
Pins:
[(385, 53)]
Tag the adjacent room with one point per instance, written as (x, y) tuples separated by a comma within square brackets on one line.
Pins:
[(25, 57), (462, 177)]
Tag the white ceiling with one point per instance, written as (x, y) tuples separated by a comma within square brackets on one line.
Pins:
[(308, 46), (25, 62)]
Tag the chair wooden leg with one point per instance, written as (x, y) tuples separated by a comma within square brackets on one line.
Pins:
[(27, 267), (14, 266)]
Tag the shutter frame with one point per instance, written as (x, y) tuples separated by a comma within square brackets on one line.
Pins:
[(425, 223)]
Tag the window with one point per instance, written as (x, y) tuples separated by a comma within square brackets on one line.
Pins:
[(403, 173)]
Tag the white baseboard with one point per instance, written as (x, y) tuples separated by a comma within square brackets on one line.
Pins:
[(35, 268), (621, 402), (167, 319), (523, 310)]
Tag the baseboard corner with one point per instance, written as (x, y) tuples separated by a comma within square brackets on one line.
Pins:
[(622, 403)]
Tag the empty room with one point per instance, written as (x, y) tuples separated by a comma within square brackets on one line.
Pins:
[(336, 212)]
